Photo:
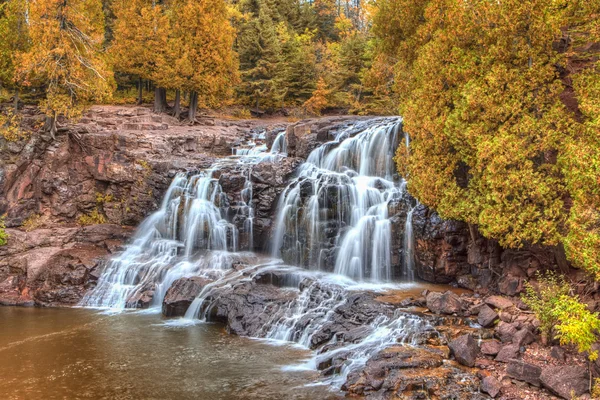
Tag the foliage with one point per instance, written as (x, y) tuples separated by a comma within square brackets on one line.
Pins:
[(95, 217), (483, 88), (3, 234), (10, 127), (577, 325), (318, 101), (561, 314), (14, 38), (66, 55), (34, 221), (543, 300)]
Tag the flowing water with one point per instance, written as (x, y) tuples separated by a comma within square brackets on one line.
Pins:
[(81, 354), (337, 220)]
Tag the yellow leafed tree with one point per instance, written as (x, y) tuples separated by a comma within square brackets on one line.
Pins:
[(66, 54)]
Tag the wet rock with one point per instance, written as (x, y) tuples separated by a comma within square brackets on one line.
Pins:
[(443, 303), (465, 349), (181, 294), (486, 317), (508, 353), (565, 381), (523, 371), (491, 347), (491, 386)]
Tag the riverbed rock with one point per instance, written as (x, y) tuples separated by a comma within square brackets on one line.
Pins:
[(565, 381), (506, 331), (465, 349), (486, 316), (507, 353), (491, 347), (523, 337), (524, 371), (181, 294), (491, 386), (443, 303)]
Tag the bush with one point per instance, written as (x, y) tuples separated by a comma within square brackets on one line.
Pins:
[(562, 314), (93, 218), (3, 234)]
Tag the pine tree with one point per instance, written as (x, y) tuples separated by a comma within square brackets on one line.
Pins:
[(199, 56), (140, 35), (14, 39), (66, 54)]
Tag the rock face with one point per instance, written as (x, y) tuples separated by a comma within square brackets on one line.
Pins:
[(181, 294), (54, 266)]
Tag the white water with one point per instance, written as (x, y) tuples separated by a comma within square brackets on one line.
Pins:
[(339, 203), (189, 235)]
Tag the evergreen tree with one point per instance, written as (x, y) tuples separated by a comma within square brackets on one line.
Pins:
[(66, 54), (14, 39)]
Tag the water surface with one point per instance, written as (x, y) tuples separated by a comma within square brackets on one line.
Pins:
[(84, 354)]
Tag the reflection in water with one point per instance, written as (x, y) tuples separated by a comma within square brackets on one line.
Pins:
[(76, 353)]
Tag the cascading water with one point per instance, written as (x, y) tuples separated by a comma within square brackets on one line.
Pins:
[(334, 216), (189, 235)]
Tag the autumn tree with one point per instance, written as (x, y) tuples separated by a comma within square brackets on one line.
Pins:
[(14, 39), (482, 88), (199, 57), (140, 34), (318, 100), (66, 54)]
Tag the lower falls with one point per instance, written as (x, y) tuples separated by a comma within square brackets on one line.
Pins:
[(341, 228)]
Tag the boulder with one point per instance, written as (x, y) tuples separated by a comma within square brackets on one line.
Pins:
[(491, 347), (508, 353), (499, 302), (486, 317), (523, 371), (506, 331), (465, 349), (523, 337), (443, 303), (181, 294), (565, 381), (491, 386)]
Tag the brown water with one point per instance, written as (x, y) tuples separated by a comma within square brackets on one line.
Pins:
[(83, 354)]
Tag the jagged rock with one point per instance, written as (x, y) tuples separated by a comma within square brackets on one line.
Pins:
[(491, 386), (491, 347), (465, 349), (486, 317), (523, 337), (444, 303), (506, 331), (523, 371), (565, 381), (181, 294), (508, 353)]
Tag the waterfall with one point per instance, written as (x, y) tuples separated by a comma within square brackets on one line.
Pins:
[(334, 216), (189, 235)]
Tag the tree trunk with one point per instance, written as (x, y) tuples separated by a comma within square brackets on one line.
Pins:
[(50, 125), (140, 98), (16, 101), (177, 105), (160, 100), (193, 107)]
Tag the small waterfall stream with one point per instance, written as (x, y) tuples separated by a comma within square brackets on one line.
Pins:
[(335, 216)]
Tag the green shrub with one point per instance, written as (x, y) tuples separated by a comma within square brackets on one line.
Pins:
[(561, 314), (3, 234)]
